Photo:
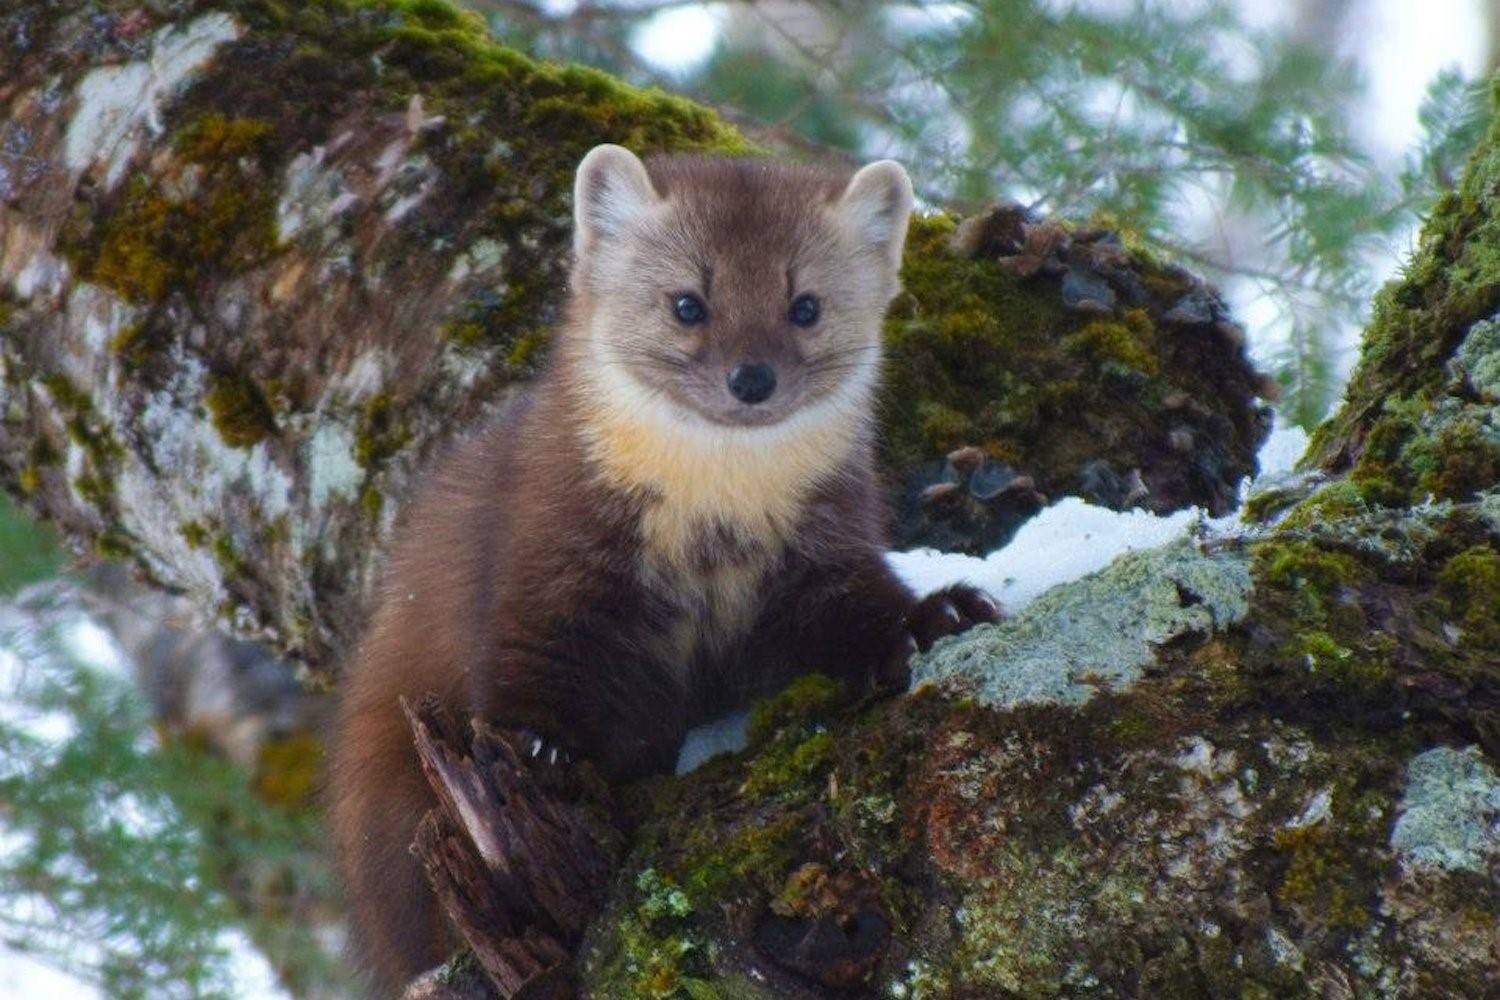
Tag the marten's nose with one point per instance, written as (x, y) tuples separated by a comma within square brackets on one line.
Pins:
[(752, 383)]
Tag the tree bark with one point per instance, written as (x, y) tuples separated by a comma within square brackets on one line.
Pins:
[(260, 261), (520, 854)]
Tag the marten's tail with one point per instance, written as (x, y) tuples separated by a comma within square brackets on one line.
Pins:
[(378, 795)]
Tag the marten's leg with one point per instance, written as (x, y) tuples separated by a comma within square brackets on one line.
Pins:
[(857, 620), (589, 699)]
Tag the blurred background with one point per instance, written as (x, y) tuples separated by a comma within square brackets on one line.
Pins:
[(158, 829)]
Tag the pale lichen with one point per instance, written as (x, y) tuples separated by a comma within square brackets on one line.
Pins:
[(332, 468), (1096, 633), (1450, 816), (1477, 358), (119, 106)]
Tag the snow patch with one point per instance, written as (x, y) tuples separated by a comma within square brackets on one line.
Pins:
[(1075, 645), (117, 104), (1068, 540), (725, 735), (1073, 538)]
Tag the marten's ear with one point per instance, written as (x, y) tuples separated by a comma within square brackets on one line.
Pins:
[(877, 204), (610, 190)]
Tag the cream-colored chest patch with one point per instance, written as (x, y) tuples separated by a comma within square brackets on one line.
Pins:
[(722, 504)]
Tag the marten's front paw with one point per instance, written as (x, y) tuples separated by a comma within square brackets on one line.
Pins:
[(948, 611), (541, 750), (944, 612)]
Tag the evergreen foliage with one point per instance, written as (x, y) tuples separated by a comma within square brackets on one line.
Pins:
[(1178, 121), (139, 864)]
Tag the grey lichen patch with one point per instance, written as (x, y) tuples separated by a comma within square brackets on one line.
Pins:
[(1098, 632), (1477, 358), (313, 194), (1339, 516), (1450, 816), (119, 105), (332, 469), (1489, 509)]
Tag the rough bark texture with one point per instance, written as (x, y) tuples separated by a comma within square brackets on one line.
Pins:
[(258, 261), (519, 852)]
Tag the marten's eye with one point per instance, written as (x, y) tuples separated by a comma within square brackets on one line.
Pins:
[(805, 310), (689, 309)]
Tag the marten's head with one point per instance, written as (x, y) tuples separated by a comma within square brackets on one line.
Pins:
[(735, 293)]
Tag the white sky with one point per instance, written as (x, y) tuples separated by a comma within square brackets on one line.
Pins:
[(1399, 44)]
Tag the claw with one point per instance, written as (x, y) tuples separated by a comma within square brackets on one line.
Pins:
[(951, 613), (552, 756), (536, 746)]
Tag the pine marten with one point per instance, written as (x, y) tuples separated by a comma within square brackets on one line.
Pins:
[(681, 514)]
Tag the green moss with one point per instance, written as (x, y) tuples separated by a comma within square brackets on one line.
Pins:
[(380, 433), (1124, 346), (131, 344), (803, 702), (717, 863), (29, 480), (944, 428), (1451, 283), (659, 954), (194, 533), (1470, 581), (67, 396), (215, 139), (114, 543), (1335, 865), (372, 501), (506, 319), (1319, 875), (212, 213), (93, 435), (228, 558), (95, 490), (1267, 503), (1329, 504), (1308, 570), (239, 411), (978, 354), (1362, 668), (790, 763), (1457, 461), (526, 350)]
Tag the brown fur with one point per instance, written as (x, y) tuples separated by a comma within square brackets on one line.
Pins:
[(606, 578)]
